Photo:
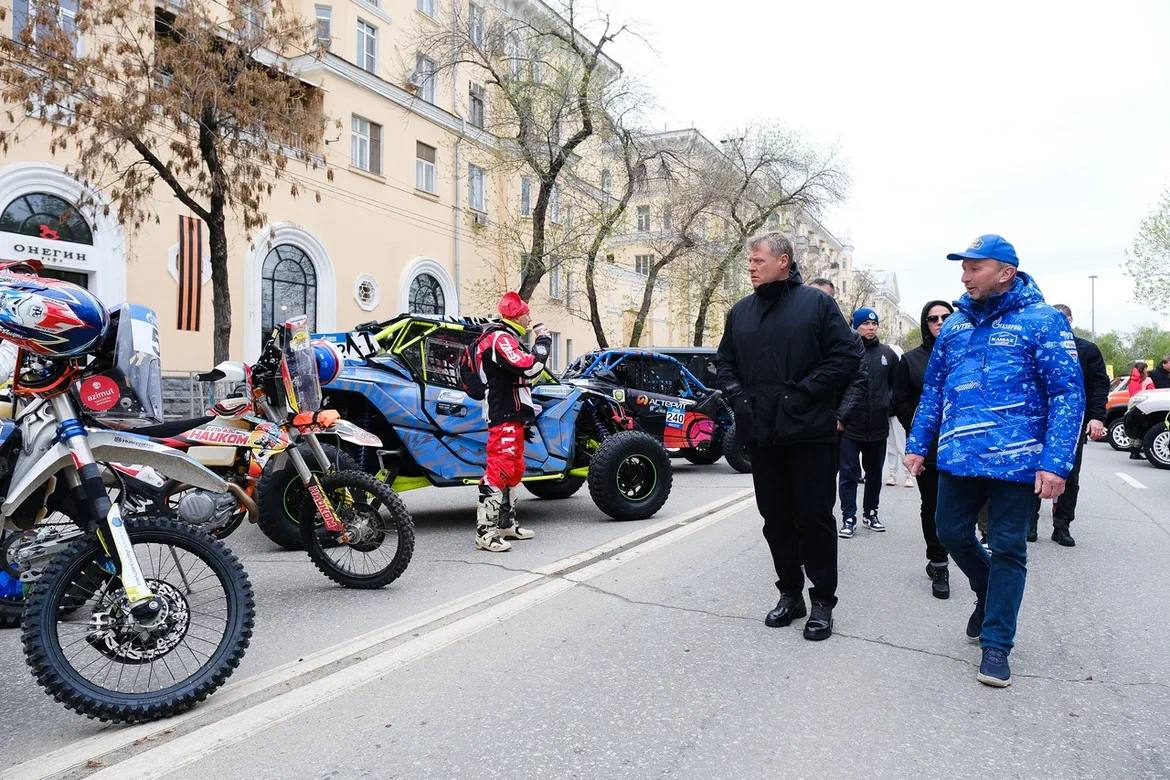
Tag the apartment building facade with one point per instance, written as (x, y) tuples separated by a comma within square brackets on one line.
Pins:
[(412, 201)]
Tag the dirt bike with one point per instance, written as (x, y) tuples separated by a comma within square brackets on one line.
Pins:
[(355, 529), (126, 619)]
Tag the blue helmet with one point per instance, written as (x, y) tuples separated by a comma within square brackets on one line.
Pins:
[(50, 317), (330, 361)]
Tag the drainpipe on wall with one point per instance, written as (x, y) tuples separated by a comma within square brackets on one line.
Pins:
[(457, 216)]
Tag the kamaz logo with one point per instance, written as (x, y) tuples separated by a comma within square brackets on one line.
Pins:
[(1003, 340)]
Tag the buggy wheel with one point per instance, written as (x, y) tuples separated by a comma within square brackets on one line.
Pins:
[(553, 489), (1156, 446), (630, 476), (1118, 439), (738, 457)]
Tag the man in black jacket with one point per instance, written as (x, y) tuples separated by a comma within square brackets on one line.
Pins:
[(1096, 379), (1161, 375), (907, 391), (786, 355), (863, 418)]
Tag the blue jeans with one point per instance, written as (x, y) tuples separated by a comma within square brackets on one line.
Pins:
[(998, 578)]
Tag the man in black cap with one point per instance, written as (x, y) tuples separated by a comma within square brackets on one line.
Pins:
[(864, 421)]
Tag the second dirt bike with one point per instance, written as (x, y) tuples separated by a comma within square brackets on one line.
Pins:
[(354, 528)]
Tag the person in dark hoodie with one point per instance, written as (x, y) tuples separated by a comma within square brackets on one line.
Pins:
[(907, 390), (1161, 374), (786, 355), (864, 421)]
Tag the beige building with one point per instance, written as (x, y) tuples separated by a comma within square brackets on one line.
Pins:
[(409, 222)]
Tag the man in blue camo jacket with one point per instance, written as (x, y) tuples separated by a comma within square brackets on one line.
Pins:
[(1003, 393)]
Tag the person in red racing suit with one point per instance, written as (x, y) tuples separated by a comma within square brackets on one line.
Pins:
[(506, 368)]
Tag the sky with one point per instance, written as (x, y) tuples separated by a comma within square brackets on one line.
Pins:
[(1045, 122)]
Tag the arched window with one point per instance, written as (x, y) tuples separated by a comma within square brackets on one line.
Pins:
[(46, 216), (426, 295), (288, 287)]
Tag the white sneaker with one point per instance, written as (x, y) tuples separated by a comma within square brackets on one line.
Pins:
[(891, 481), (910, 482)]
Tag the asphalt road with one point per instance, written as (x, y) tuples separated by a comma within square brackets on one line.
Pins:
[(652, 658)]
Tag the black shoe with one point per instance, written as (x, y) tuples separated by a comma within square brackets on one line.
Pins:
[(1061, 536), (940, 580), (820, 623), (788, 608), (1032, 534), (975, 623)]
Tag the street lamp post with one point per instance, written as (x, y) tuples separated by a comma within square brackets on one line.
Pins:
[(1093, 305)]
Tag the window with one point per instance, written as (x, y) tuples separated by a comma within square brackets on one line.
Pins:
[(526, 196), (554, 205), (324, 24), (666, 219), (426, 296), (424, 74), (475, 101), (554, 357), (554, 281), (24, 10), (424, 167), (643, 219), (568, 351), (288, 288), (515, 54), (366, 146), (367, 46), (427, 7), (606, 181), (568, 296), (475, 188), (45, 216), (253, 12), (475, 26), (642, 264)]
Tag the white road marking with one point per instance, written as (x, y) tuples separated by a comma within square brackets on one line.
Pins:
[(1127, 479), (236, 725)]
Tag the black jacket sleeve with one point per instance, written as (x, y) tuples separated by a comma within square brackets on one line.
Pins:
[(855, 394), (1096, 382), (727, 372), (840, 356), (905, 399)]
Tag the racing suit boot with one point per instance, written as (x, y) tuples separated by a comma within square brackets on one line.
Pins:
[(509, 526), (487, 520)]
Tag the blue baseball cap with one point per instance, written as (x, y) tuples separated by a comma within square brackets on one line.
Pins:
[(989, 247), (864, 314)]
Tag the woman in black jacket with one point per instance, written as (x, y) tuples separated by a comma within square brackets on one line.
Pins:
[(907, 391)]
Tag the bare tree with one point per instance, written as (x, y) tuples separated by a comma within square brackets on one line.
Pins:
[(1148, 261), (191, 97), (553, 85), (768, 169), (689, 193)]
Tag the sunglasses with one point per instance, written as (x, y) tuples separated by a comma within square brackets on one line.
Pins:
[(936, 317)]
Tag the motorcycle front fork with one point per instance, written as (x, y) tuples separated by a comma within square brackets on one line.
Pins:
[(89, 491), (312, 484)]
